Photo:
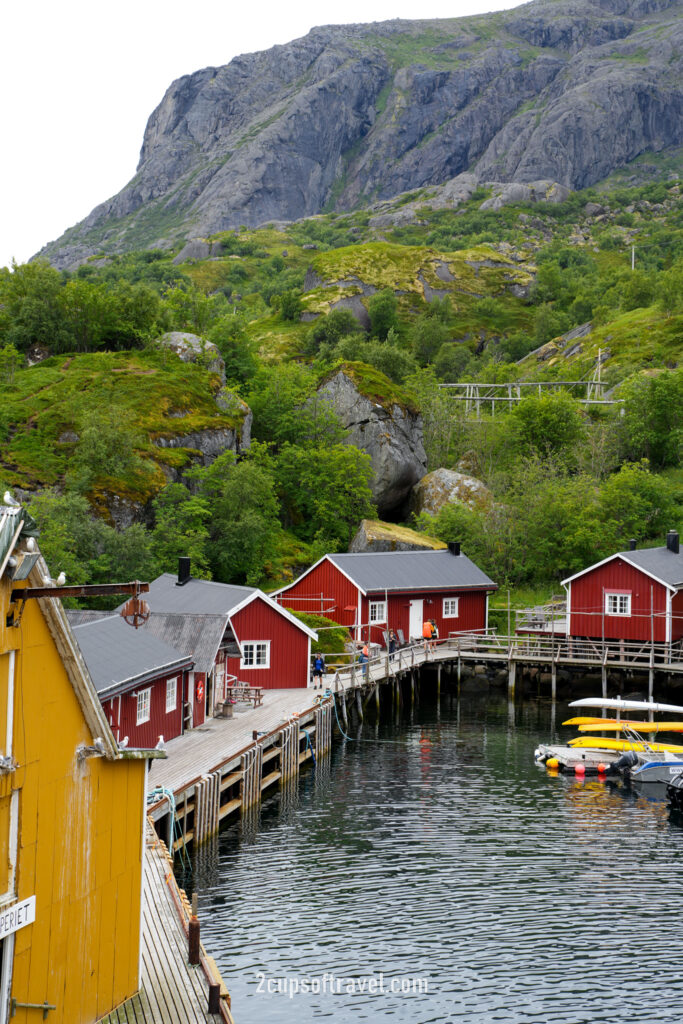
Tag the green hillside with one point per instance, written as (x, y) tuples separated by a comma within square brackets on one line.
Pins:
[(409, 295)]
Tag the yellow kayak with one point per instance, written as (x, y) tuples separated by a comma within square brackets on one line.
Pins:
[(600, 743), (611, 725)]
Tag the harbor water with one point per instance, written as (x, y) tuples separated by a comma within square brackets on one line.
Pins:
[(432, 873)]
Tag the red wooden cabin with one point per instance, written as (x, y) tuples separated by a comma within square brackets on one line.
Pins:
[(141, 681), (374, 592), (229, 631), (632, 595)]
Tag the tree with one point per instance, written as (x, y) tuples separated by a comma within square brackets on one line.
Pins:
[(383, 310), (106, 448), (328, 330), (285, 405), (326, 490), (549, 424), (652, 424), (244, 524), (181, 528)]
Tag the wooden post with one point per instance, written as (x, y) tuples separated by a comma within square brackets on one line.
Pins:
[(512, 676), (193, 933), (412, 688), (509, 626), (345, 717), (377, 707), (553, 680), (359, 705), (438, 681), (604, 680)]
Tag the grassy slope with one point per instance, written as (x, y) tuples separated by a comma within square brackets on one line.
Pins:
[(162, 397)]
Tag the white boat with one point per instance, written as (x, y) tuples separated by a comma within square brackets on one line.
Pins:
[(626, 705)]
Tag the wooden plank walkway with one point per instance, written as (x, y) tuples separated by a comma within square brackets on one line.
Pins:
[(171, 990), (218, 739)]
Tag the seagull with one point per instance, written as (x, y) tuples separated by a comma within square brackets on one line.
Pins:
[(9, 500), (160, 744), (31, 544), (61, 579), (123, 743)]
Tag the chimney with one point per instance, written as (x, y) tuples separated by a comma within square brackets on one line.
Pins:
[(672, 541), (183, 572), (632, 544), (454, 547)]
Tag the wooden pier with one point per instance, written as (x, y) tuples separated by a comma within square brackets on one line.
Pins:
[(172, 991), (223, 768)]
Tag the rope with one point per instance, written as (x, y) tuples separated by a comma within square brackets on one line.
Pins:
[(310, 745), (358, 739), (176, 831)]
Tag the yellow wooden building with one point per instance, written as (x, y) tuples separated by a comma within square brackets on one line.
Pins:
[(71, 813)]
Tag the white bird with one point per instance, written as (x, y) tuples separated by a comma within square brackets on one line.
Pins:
[(160, 744), (123, 743), (9, 500), (31, 544), (61, 579)]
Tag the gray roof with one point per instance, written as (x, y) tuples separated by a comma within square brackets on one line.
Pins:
[(411, 570), (195, 596), (197, 635), (666, 565), (119, 656), (79, 616)]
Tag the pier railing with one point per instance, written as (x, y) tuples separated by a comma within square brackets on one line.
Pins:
[(534, 648)]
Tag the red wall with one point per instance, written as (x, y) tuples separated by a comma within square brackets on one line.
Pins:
[(337, 592), (677, 616), (122, 717), (471, 612), (289, 661), (587, 603)]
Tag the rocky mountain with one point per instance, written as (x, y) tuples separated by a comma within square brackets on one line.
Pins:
[(558, 90)]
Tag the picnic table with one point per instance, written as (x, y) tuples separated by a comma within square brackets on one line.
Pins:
[(239, 692)]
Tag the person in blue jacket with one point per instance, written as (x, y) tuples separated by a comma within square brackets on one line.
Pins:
[(318, 669)]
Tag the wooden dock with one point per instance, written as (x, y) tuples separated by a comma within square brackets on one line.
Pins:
[(223, 768), (171, 990)]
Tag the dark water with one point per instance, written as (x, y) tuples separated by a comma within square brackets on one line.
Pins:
[(449, 857)]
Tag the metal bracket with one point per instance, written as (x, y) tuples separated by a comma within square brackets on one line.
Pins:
[(45, 1007)]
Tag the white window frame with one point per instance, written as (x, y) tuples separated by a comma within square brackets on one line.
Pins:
[(255, 654), (171, 694), (144, 705), (447, 611), (617, 598), (377, 612)]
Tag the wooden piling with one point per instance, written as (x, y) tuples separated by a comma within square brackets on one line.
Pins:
[(359, 705), (512, 678)]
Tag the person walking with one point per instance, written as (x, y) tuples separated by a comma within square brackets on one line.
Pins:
[(426, 634), (393, 644), (435, 635), (318, 669), (364, 659)]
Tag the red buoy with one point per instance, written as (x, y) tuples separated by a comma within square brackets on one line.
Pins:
[(602, 768), (580, 769)]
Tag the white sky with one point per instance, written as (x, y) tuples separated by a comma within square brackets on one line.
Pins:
[(79, 79)]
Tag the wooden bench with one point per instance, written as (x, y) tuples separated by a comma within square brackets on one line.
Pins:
[(244, 692)]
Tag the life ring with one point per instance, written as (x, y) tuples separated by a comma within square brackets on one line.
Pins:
[(199, 690)]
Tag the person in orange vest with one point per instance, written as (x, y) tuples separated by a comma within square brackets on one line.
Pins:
[(364, 658), (426, 634)]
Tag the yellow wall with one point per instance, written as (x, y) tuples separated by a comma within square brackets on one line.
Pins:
[(80, 841)]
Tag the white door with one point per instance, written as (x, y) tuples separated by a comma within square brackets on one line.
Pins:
[(416, 620)]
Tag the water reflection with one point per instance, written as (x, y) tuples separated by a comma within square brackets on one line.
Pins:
[(448, 856)]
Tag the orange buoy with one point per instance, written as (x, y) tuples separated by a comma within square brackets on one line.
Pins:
[(602, 768), (552, 763)]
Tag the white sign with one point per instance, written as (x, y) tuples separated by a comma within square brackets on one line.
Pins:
[(17, 916)]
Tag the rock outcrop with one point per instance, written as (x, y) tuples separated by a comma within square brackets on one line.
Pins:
[(358, 113), (389, 430), (445, 486), (193, 349), (373, 535)]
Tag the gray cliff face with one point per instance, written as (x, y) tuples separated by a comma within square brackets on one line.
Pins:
[(392, 438), (561, 91)]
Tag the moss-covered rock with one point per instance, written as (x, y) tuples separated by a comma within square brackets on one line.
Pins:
[(445, 486), (374, 535)]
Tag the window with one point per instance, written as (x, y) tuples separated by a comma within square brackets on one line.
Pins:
[(171, 694), (617, 604), (143, 706), (450, 607), (378, 611), (256, 654)]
